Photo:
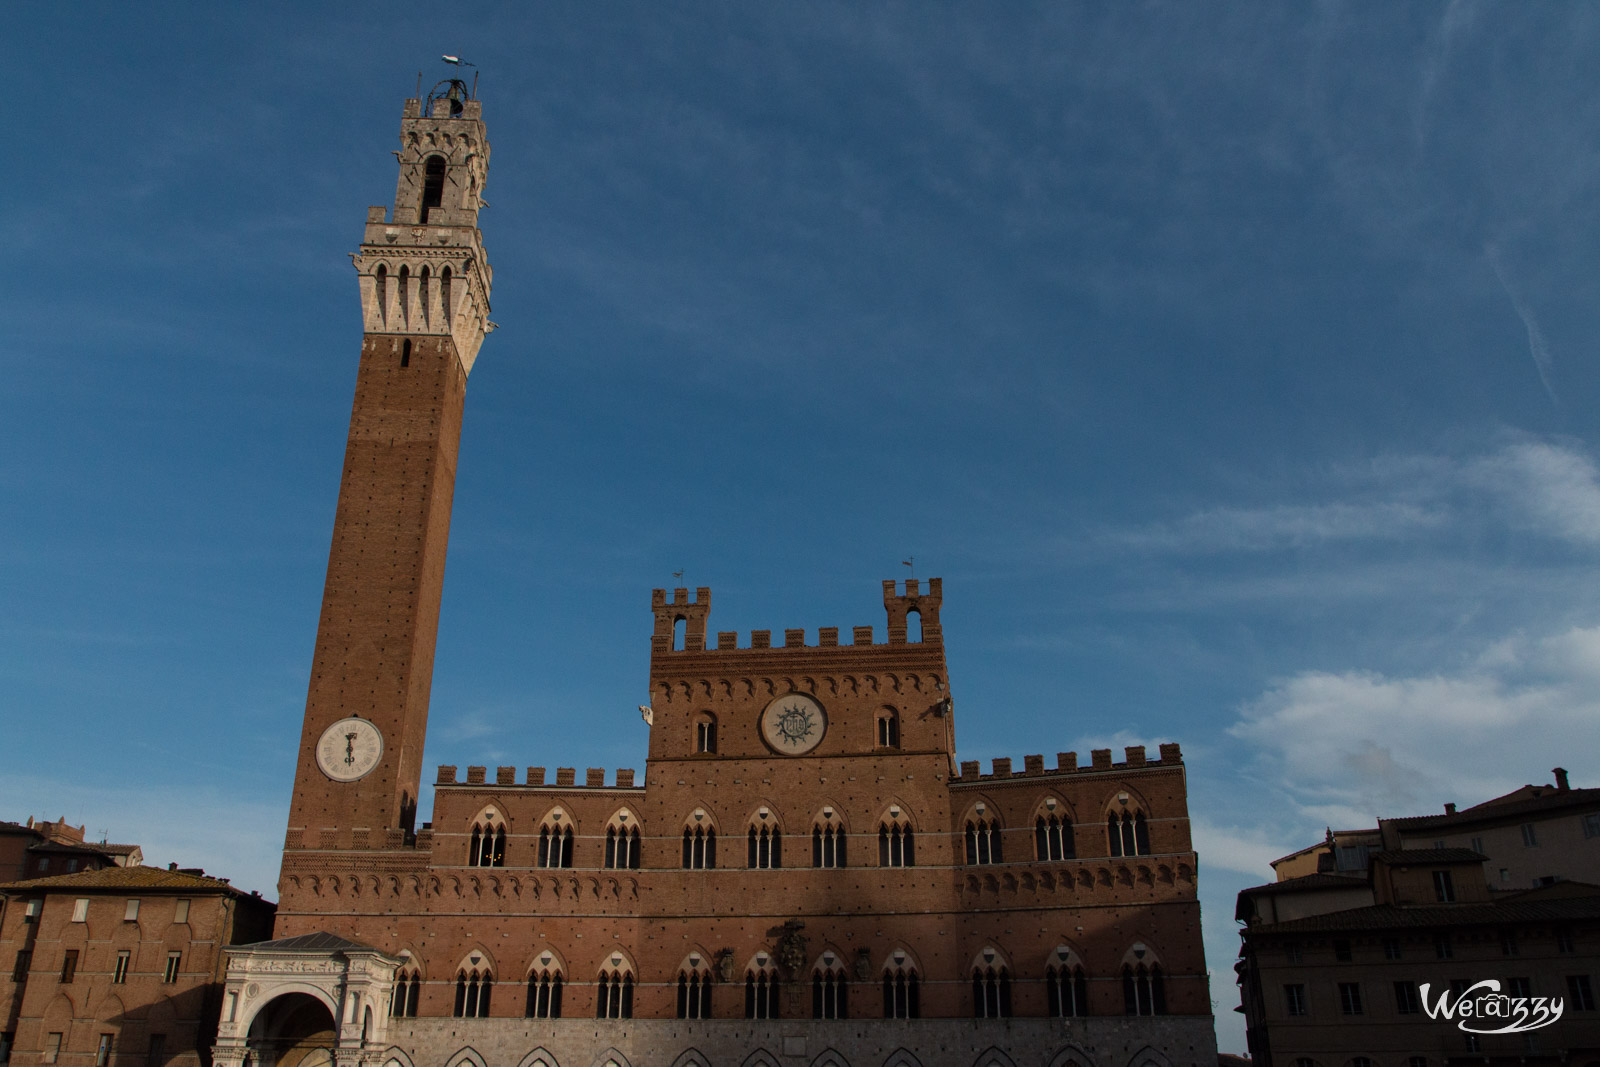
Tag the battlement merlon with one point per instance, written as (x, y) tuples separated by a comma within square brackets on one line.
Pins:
[(670, 653)]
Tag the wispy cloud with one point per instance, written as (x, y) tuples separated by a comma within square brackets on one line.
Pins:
[(1549, 487), (1538, 347)]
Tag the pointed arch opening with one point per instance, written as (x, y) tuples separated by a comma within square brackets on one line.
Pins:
[(622, 841), (829, 839), (433, 170), (556, 835), (991, 985), (830, 987), (902, 992), (699, 842), (764, 841), (694, 987), (546, 980), (614, 988), (1052, 832), (897, 842), (1066, 985), (761, 987)]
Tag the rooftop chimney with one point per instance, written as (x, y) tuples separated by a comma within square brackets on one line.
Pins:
[(1561, 779), (1449, 809)]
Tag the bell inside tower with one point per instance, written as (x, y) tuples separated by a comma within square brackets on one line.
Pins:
[(432, 185)]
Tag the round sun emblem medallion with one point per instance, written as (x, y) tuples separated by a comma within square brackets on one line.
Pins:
[(794, 724)]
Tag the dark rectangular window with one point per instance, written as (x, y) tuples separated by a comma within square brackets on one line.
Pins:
[(19, 969), (1294, 999), (170, 975), (1591, 825), (120, 975), (102, 1051), (1292, 952), (1529, 837), (1391, 948), (1444, 888), (1406, 1001), (69, 965), (1564, 942), (1349, 998), (158, 1051), (1580, 994), (1519, 987), (1341, 951), (1508, 943), (1442, 947)]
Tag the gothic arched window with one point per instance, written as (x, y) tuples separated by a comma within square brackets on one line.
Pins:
[(472, 993), (555, 842), (487, 845), (614, 997), (1052, 837), (991, 992), (699, 848), (761, 989), (622, 847), (1143, 990), (766, 848), (830, 991), (983, 841), (544, 993), (828, 841), (403, 998), (432, 186), (1128, 833), (901, 996), (694, 990), (1067, 990), (897, 845)]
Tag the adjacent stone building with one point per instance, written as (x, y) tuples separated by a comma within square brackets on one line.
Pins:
[(1344, 955), (37, 849), (118, 966), (803, 874)]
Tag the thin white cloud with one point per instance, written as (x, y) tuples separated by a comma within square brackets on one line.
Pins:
[(1246, 850), (1284, 526), (1538, 347), (1549, 487)]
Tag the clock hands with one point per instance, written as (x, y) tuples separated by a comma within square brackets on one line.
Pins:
[(349, 749)]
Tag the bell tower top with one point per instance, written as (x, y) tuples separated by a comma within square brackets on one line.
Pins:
[(424, 269)]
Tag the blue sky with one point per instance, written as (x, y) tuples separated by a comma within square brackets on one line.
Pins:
[(1234, 366)]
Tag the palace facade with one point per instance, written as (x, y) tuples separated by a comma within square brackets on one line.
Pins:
[(803, 874)]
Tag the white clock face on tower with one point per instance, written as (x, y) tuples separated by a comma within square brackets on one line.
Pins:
[(349, 749), (794, 724)]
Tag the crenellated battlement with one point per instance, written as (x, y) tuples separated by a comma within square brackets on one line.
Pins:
[(903, 604), (566, 778), (1033, 766)]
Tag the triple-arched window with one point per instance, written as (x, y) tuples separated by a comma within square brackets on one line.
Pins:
[(699, 846), (1052, 837), (407, 989), (555, 844), (614, 992), (487, 845), (983, 840), (1066, 989), (991, 991), (830, 989), (761, 988), (544, 992), (472, 993), (897, 843), (828, 840), (694, 989), (1143, 989), (1128, 833), (765, 851), (622, 842), (901, 995)]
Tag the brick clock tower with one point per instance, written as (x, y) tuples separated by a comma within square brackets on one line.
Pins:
[(425, 283)]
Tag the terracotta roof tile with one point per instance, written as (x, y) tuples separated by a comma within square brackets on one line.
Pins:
[(111, 878)]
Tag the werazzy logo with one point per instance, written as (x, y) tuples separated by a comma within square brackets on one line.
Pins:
[(1483, 1002)]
